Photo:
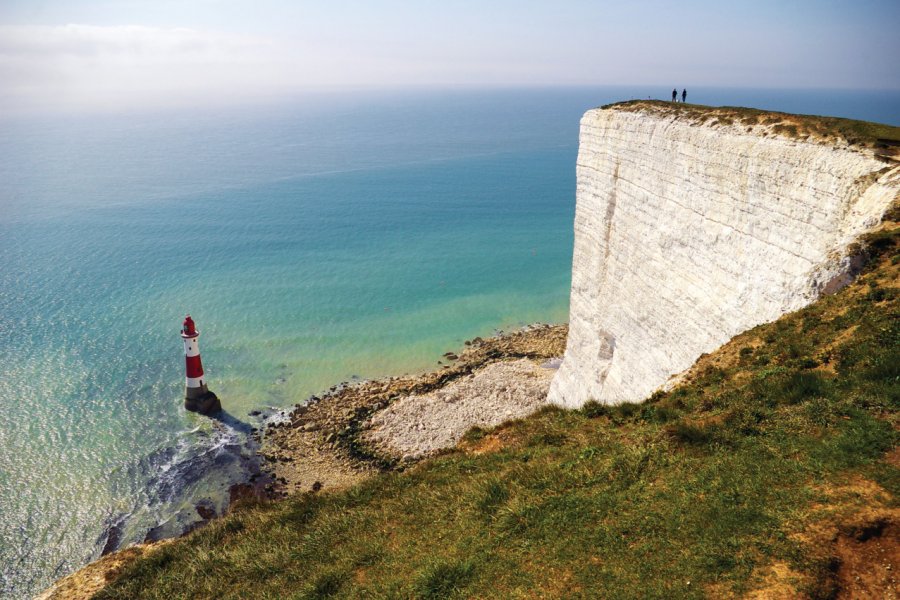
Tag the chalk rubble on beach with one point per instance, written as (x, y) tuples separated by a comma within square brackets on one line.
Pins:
[(421, 424)]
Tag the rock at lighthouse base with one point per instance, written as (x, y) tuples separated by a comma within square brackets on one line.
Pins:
[(206, 404)]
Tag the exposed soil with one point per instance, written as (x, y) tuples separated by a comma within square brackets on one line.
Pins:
[(89, 580), (866, 557), (856, 537), (779, 581)]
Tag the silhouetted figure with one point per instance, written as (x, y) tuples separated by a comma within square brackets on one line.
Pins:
[(674, 95), (683, 94)]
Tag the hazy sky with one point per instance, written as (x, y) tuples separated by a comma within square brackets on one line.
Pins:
[(79, 53)]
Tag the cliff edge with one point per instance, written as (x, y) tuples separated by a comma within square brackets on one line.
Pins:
[(694, 224)]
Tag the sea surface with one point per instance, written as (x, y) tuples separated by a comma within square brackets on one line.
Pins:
[(314, 240)]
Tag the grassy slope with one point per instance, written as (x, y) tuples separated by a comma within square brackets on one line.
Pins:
[(786, 431)]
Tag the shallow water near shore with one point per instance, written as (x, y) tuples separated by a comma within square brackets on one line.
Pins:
[(312, 241)]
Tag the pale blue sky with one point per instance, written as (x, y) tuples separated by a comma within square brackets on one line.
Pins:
[(78, 52)]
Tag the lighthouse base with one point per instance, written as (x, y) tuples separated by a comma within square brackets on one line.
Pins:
[(205, 404)]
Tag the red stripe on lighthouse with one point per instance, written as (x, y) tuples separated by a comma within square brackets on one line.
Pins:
[(194, 368)]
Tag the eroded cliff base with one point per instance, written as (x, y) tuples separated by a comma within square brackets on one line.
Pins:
[(358, 429)]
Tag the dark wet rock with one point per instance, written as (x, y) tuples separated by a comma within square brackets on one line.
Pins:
[(254, 490), (155, 534), (206, 510), (207, 404), (113, 537), (254, 413)]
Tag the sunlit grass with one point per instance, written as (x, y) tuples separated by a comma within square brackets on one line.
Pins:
[(695, 489)]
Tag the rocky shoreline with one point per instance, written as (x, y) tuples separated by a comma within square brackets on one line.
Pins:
[(358, 429)]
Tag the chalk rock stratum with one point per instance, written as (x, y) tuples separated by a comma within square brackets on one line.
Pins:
[(691, 228)]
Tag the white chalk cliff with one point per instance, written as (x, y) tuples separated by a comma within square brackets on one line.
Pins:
[(687, 233)]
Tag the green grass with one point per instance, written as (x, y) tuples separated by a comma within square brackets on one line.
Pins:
[(692, 493), (884, 138)]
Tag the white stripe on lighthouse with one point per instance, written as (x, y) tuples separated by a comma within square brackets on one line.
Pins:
[(193, 382), (191, 346)]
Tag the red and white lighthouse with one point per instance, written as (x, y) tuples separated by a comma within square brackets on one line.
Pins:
[(197, 397)]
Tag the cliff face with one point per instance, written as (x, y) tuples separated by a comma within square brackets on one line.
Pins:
[(689, 232)]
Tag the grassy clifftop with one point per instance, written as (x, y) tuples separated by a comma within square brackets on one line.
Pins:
[(883, 140), (772, 469)]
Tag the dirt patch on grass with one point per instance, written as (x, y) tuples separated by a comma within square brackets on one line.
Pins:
[(491, 443), (84, 583), (779, 580), (867, 556), (726, 356), (857, 537), (853, 500), (893, 457), (859, 558)]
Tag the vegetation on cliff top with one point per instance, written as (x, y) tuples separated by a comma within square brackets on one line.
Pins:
[(773, 466), (883, 139)]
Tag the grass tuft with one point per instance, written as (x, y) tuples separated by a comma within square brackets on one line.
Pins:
[(690, 434), (494, 495), (327, 585), (443, 579)]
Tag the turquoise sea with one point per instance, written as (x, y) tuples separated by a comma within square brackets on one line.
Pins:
[(313, 240)]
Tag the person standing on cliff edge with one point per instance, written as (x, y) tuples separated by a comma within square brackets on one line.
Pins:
[(675, 95), (683, 94)]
